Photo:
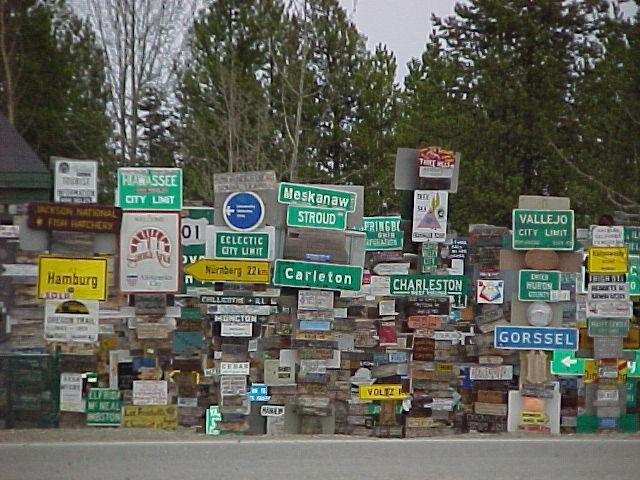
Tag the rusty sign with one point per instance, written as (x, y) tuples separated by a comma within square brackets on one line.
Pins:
[(74, 217)]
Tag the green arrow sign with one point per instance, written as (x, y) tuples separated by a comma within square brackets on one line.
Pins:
[(314, 217), (564, 362), (537, 285), (633, 366), (542, 229)]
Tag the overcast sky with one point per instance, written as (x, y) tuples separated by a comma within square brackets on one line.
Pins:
[(403, 25)]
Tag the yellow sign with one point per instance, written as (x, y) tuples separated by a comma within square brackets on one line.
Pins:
[(381, 392), (608, 260), (590, 370), (240, 271), (78, 278), (150, 416)]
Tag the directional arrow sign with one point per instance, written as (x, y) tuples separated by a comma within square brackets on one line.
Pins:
[(208, 270), (634, 365), (564, 362)]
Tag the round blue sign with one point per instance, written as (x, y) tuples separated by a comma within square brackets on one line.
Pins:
[(243, 211)]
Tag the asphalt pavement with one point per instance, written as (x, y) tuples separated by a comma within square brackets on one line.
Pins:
[(148, 456)]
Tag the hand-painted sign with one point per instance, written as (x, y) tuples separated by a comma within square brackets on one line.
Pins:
[(543, 229), (381, 392), (430, 210), (383, 233), (258, 244), (239, 271), (150, 416), (538, 285), (82, 278), (150, 392), (292, 273), (143, 188), (292, 193), (607, 260), (316, 217), (564, 362), (74, 217), (243, 211), (150, 253), (535, 338), (436, 162), (75, 181)]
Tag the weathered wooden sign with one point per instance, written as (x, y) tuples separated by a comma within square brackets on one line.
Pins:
[(74, 217)]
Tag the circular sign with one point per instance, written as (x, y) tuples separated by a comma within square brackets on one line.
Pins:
[(243, 211)]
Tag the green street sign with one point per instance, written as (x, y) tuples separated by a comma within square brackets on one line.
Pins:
[(104, 407), (435, 285), (193, 237), (315, 217), (293, 273), (564, 362), (631, 389), (258, 244), (633, 366), (543, 229), (212, 418), (632, 239), (293, 193), (428, 257), (383, 233), (538, 285), (633, 275), (143, 188), (608, 327)]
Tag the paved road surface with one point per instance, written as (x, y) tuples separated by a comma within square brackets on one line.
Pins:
[(327, 459)]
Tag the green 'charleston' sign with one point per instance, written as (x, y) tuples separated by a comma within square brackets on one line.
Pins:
[(314, 217), (293, 273), (435, 285), (293, 193), (383, 233), (542, 229)]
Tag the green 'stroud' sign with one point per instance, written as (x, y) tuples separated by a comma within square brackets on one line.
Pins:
[(314, 217)]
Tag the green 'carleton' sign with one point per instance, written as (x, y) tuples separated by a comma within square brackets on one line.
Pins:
[(293, 273), (435, 285), (293, 193), (543, 229), (314, 217)]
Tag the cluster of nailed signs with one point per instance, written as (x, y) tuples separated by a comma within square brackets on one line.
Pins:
[(304, 308)]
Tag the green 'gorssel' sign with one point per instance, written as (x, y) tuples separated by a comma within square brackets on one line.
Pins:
[(293, 273), (543, 229)]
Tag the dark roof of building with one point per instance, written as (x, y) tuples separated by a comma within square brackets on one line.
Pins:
[(16, 156)]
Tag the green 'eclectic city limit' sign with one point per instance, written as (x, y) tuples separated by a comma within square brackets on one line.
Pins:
[(293, 273), (543, 229)]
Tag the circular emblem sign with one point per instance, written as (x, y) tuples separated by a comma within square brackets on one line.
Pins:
[(243, 211)]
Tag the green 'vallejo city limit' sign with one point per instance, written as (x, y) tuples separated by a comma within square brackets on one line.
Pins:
[(543, 229)]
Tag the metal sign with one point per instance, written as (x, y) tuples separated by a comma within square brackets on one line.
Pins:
[(291, 193), (292, 273), (543, 229), (433, 285), (633, 277), (381, 392), (632, 239), (272, 410), (535, 338), (143, 188), (244, 181), (258, 244), (608, 327), (430, 211), (538, 285), (240, 271), (316, 217), (74, 217), (602, 236), (234, 368), (611, 309), (243, 211), (607, 291), (75, 181), (634, 365), (607, 260), (490, 292), (564, 362), (193, 238), (383, 233), (104, 407), (150, 253), (493, 372), (83, 278), (74, 321)]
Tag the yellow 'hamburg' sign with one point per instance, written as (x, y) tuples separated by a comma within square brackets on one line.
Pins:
[(79, 278)]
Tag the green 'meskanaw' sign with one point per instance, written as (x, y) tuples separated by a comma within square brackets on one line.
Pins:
[(293, 273), (543, 229), (383, 233), (293, 193), (314, 217)]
